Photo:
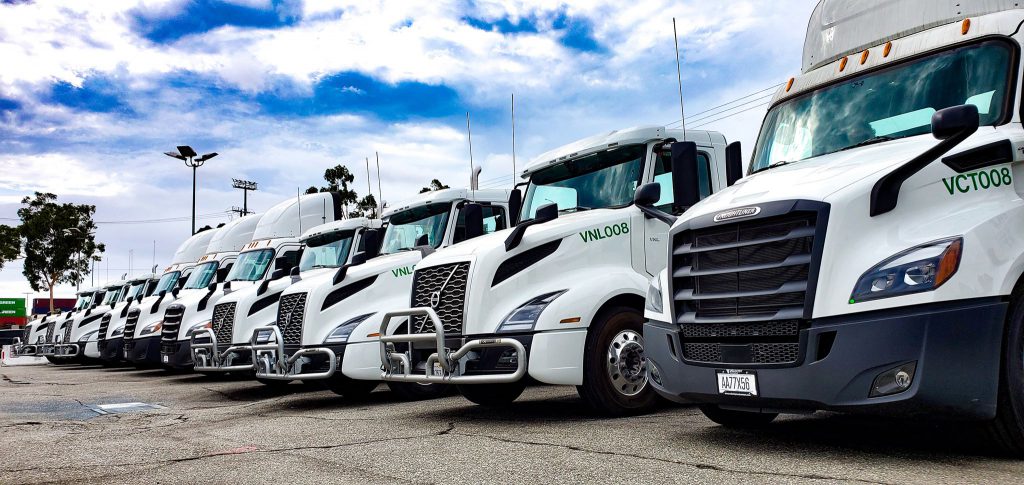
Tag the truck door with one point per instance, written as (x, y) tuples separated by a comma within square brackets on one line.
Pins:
[(655, 231)]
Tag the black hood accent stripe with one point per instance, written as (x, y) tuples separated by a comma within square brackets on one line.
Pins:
[(346, 291), (264, 302), (511, 266)]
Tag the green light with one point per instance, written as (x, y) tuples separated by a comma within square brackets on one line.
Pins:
[(852, 301)]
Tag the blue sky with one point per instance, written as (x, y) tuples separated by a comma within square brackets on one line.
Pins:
[(91, 93)]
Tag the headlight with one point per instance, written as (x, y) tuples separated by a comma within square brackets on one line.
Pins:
[(117, 332), (89, 336), (654, 296), (921, 268), (525, 317), (343, 331), (152, 328), (199, 326), (266, 335)]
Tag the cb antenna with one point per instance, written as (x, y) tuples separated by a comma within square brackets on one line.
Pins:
[(679, 77), (380, 192), (369, 186), (472, 176), (513, 140), (298, 200)]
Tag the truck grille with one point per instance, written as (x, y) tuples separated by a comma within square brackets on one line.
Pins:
[(172, 322), (449, 282), (743, 291), (67, 332), (223, 322), (290, 312), (49, 331), (130, 323), (104, 325)]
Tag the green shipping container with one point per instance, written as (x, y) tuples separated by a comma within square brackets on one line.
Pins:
[(12, 307)]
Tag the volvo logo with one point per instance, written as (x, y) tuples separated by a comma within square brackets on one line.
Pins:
[(435, 299), (737, 213)]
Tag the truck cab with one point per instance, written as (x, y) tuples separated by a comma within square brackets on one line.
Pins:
[(109, 339), (558, 298), (35, 334), (81, 333), (223, 347), (871, 260), (327, 325), (58, 332), (194, 303), (140, 340)]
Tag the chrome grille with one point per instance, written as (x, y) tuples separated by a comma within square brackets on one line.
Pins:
[(67, 331), (743, 291), (290, 312), (447, 285), (50, 327), (130, 323), (223, 321), (172, 322), (104, 325)]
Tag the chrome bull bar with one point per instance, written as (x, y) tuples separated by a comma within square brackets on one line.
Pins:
[(271, 362), (439, 370), (67, 350), (22, 350), (207, 356)]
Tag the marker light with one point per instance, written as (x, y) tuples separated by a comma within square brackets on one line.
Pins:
[(864, 56), (965, 27), (842, 64), (888, 47), (921, 268), (789, 85)]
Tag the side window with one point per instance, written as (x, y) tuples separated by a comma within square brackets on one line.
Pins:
[(291, 257), (494, 219), (663, 176)]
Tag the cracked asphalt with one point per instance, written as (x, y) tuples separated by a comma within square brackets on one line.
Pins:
[(231, 431)]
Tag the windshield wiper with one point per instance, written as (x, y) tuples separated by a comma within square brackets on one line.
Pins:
[(869, 141), (575, 209), (769, 167)]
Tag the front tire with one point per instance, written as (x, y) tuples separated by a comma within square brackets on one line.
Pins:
[(1007, 429), (410, 391), (493, 395), (273, 383), (737, 419), (349, 388), (615, 366)]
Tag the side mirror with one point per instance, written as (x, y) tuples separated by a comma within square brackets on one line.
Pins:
[(175, 291), (211, 287), (949, 122), (546, 212), (163, 293), (371, 241), (294, 272), (223, 273), (474, 220), (646, 196), (282, 263), (733, 163), (685, 176), (359, 258), (278, 274), (515, 205), (423, 240)]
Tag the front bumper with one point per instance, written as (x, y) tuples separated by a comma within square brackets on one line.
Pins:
[(67, 350), (111, 350), (956, 347), (23, 350), (272, 361), (176, 354), (144, 350), (207, 355), (444, 366)]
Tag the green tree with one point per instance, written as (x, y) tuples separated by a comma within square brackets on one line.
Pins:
[(434, 185), (312, 190), (367, 207), (10, 244), (339, 179), (59, 241)]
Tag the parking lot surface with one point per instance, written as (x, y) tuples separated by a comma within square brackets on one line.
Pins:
[(70, 424)]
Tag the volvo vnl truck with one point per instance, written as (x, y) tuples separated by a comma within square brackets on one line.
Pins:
[(559, 298), (224, 347), (108, 339), (871, 259), (327, 326), (193, 305), (140, 339)]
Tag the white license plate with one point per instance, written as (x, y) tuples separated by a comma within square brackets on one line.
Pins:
[(737, 382), (166, 359), (438, 371)]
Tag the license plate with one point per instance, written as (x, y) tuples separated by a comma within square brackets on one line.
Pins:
[(166, 359), (126, 354), (438, 371), (737, 382)]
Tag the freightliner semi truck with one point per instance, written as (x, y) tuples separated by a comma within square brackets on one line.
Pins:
[(559, 298), (193, 305), (35, 334), (327, 326), (112, 324), (57, 330), (80, 334), (225, 346), (871, 261)]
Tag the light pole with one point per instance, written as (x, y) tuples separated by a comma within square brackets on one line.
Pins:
[(245, 186), (189, 156)]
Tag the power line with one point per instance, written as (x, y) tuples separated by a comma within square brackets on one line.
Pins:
[(741, 98), (733, 114), (717, 113), (212, 215)]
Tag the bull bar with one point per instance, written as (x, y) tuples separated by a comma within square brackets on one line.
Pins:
[(271, 362), (450, 364), (208, 357)]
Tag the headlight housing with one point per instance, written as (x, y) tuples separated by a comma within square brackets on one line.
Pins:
[(117, 332), (525, 317), (920, 268), (342, 332), (152, 328), (90, 336), (199, 326), (654, 301)]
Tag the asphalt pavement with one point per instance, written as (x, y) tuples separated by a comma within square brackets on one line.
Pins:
[(94, 424)]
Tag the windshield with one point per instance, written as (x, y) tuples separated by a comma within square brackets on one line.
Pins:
[(251, 265), (83, 301), (596, 181), (136, 289), (111, 296), (407, 228), (202, 275), (891, 103), (326, 250), (167, 281)]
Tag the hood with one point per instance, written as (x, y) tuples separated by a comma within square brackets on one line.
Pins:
[(375, 266)]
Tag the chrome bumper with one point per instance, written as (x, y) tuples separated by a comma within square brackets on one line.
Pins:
[(271, 361), (46, 349), (22, 350), (440, 369), (208, 357), (67, 350)]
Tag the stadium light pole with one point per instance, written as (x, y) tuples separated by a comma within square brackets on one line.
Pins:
[(245, 186), (192, 159)]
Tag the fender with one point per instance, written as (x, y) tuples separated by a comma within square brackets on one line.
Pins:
[(586, 296)]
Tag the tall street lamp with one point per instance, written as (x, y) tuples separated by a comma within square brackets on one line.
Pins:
[(189, 156)]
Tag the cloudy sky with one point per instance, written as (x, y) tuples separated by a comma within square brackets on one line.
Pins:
[(92, 93)]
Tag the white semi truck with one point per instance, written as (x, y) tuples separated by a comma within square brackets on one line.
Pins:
[(327, 326), (872, 259), (80, 334), (225, 346), (140, 338), (559, 298), (56, 332), (108, 341), (193, 305), (35, 332)]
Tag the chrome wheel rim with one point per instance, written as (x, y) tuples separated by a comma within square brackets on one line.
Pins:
[(627, 364)]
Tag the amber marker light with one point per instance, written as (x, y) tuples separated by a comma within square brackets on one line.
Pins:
[(570, 320), (864, 57), (888, 47), (965, 27), (789, 85), (842, 64)]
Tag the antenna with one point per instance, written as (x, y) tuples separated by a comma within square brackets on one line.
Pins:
[(679, 77), (298, 200), (380, 192), (369, 187), (154, 255), (324, 217), (469, 133), (513, 140)]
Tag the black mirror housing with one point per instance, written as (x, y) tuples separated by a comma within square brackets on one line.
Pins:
[(685, 176), (546, 212), (282, 263), (371, 241), (474, 220), (278, 274), (647, 194), (212, 286), (515, 206), (733, 163), (949, 122)]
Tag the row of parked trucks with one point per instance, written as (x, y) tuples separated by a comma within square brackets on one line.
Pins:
[(870, 260)]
